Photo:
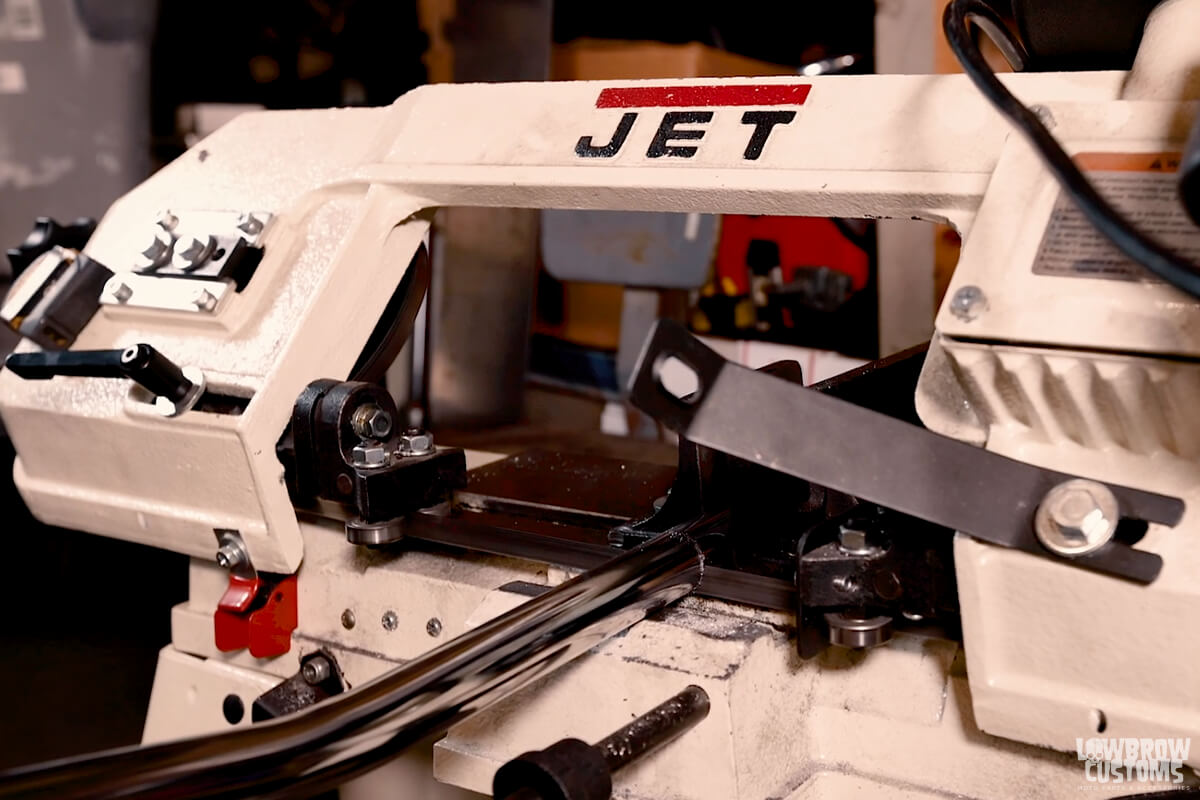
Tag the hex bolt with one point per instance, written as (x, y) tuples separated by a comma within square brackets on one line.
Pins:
[(434, 627), (370, 455), (167, 221), (249, 224), (371, 422), (316, 670), (122, 293), (968, 303), (348, 620), (389, 620), (416, 442), (1076, 517), (231, 555), (205, 300)]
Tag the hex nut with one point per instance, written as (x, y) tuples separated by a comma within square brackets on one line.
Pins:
[(370, 455), (416, 442)]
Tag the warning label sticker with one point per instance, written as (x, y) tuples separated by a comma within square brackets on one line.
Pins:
[(1142, 187)]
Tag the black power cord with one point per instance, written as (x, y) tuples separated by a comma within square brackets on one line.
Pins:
[(959, 16)]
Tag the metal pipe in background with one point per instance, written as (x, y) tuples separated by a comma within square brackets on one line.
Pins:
[(423, 697)]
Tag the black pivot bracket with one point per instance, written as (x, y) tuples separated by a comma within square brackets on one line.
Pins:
[(344, 447)]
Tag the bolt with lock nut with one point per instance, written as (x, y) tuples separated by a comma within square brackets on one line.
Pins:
[(370, 421)]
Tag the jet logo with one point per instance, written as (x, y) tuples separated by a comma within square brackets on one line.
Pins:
[(669, 139)]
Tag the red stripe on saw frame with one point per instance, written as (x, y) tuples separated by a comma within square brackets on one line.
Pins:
[(762, 94)]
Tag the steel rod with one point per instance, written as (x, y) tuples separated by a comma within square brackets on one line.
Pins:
[(655, 728)]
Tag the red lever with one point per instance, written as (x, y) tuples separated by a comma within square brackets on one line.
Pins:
[(258, 613)]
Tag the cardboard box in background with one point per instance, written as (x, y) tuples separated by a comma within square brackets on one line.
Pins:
[(605, 59), (592, 311)]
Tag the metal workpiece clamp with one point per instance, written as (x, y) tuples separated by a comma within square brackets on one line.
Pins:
[(848, 448)]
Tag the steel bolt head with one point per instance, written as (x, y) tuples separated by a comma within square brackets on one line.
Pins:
[(316, 670), (416, 442), (433, 627), (370, 455), (122, 293), (348, 620), (229, 556), (205, 300), (968, 303), (249, 224), (1077, 517), (167, 221), (371, 422), (389, 621)]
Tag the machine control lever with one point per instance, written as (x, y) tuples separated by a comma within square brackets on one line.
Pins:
[(141, 363)]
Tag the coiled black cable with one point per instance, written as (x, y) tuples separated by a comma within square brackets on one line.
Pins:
[(959, 16)]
